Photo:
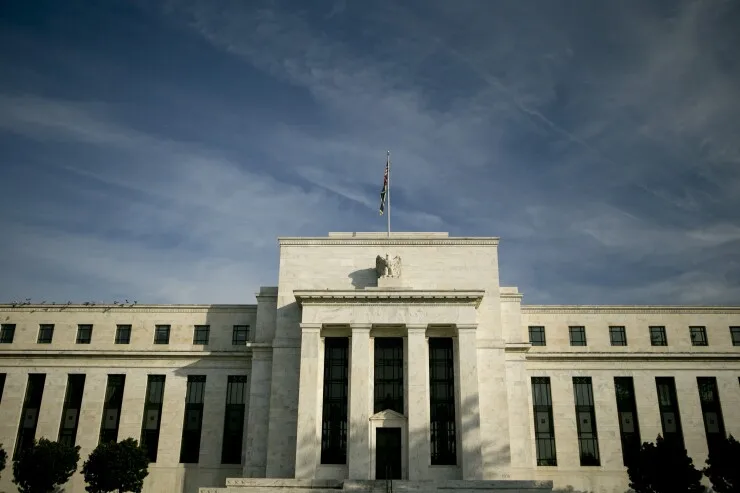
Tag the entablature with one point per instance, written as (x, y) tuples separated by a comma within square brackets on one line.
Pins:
[(369, 296)]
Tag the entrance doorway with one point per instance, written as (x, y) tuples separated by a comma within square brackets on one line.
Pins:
[(388, 453)]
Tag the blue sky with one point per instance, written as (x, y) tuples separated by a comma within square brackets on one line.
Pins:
[(155, 150)]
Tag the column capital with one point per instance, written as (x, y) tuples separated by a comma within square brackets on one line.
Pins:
[(360, 327), (310, 327), (416, 328)]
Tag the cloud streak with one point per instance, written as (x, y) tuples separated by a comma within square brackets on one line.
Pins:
[(599, 144)]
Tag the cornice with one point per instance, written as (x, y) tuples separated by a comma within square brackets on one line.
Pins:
[(630, 309), (633, 356), (381, 297), (110, 308), (113, 354), (385, 241)]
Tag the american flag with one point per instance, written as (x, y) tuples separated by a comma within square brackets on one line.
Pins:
[(385, 188)]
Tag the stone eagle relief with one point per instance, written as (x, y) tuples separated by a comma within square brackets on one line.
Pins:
[(387, 267)]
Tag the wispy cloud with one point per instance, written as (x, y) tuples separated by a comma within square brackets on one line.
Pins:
[(599, 144)]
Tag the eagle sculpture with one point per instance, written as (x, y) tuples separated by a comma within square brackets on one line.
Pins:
[(387, 267)]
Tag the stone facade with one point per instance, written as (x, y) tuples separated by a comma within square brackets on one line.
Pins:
[(448, 288)]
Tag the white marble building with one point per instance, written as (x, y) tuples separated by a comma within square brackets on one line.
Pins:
[(429, 370)]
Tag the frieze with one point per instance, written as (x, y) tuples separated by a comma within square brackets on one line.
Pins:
[(365, 298), (632, 356), (109, 354), (107, 308), (630, 309), (388, 241)]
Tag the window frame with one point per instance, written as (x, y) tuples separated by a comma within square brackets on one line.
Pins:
[(81, 330), (701, 330), (658, 330), (160, 329), (198, 331), (621, 332), (43, 330), (540, 330), (239, 329), (6, 329), (577, 329), (120, 330), (735, 335)]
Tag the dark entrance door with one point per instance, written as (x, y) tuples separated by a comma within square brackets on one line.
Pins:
[(388, 453)]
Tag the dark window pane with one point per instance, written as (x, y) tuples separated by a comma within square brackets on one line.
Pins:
[(389, 374), (629, 427), (152, 415), (714, 425), (335, 395), (46, 333), (84, 334), (658, 336), (443, 431), (201, 334), (698, 336), (162, 334), (7, 333), (618, 336), (193, 422), (240, 335), (537, 336), (588, 440), (123, 334), (231, 451), (544, 429), (735, 335), (112, 408), (670, 417), (577, 336), (30, 412)]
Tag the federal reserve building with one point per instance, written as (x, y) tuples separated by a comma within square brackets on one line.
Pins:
[(378, 362)]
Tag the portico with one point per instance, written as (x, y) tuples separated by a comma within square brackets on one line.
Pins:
[(395, 422)]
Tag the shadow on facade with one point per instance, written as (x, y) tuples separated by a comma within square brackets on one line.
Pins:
[(364, 278)]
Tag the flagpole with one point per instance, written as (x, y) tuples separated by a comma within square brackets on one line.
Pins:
[(388, 192)]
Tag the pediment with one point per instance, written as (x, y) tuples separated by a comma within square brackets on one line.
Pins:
[(387, 414)]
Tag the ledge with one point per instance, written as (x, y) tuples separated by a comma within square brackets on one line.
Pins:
[(633, 356), (400, 296), (113, 354), (628, 309), (128, 308)]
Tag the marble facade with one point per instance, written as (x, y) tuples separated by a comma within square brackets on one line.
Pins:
[(330, 287)]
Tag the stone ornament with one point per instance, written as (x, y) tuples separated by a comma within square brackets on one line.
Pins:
[(387, 267)]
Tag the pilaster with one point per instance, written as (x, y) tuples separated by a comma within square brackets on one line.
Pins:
[(466, 381), (358, 456), (308, 441), (418, 403)]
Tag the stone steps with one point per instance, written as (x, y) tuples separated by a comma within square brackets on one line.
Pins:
[(269, 485)]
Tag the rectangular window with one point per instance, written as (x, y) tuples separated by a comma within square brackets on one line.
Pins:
[(442, 401), (162, 334), (3, 376), (388, 374), (537, 336), (618, 336), (112, 408), (46, 333), (30, 413), (236, 389), (201, 333), (734, 334), (544, 429), (670, 417), (123, 334), (629, 428), (698, 336), (577, 336), (240, 335), (84, 334), (334, 413), (71, 409), (588, 439), (193, 424), (714, 423), (7, 333), (152, 415), (657, 336)]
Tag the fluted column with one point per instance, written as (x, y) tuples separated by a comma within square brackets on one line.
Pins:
[(466, 381), (308, 440), (418, 403), (360, 375)]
